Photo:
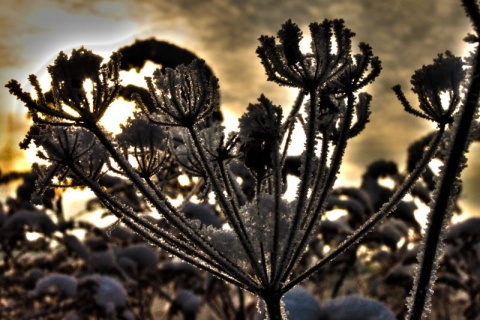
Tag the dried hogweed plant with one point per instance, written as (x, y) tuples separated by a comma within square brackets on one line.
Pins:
[(176, 129)]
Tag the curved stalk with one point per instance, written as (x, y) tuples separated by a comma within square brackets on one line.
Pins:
[(302, 192), (167, 211), (273, 305), (441, 205), (377, 217), (290, 121), (277, 188), (171, 245), (324, 187), (227, 208)]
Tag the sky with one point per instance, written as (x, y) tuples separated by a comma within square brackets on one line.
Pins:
[(405, 34)]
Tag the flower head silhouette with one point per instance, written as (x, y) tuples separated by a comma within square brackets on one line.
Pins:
[(186, 95), (286, 65)]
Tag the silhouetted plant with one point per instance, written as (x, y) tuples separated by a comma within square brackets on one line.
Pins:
[(261, 244)]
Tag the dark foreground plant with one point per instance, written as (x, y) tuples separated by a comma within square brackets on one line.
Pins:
[(262, 239)]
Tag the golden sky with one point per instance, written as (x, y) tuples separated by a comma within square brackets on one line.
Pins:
[(405, 34)]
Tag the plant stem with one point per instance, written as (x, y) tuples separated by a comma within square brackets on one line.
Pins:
[(273, 304), (302, 192), (377, 217), (230, 210), (447, 189), (150, 233), (169, 212), (323, 188)]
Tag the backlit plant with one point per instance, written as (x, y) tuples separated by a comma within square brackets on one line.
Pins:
[(176, 130)]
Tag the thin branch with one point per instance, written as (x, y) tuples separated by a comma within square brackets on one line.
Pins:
[(378, 217)]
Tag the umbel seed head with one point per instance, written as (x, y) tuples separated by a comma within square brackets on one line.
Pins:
[(185, 95)]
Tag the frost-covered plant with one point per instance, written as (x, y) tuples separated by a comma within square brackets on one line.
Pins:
[(260, 245)]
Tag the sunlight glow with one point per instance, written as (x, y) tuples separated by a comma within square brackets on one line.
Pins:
[(387, 182), (183, 180), (307, 39), (292, 183), (435, 165), (117, 114), (445, 99), (362, 250), (401, 242), (305, 42), (138, 78), (421, 213), (336, 214), (32, 236), (326, 249)]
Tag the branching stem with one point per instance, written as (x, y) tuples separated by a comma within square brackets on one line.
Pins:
[(377, 217), (442, 203)]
